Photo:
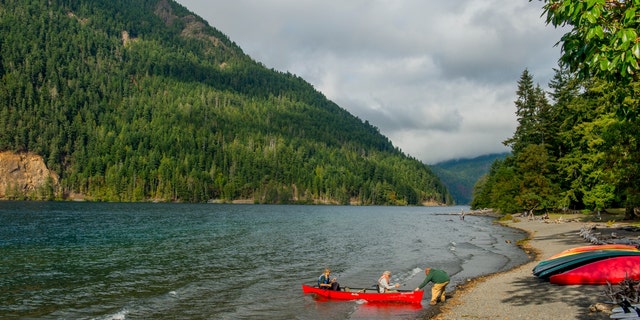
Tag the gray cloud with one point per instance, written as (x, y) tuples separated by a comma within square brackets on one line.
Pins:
[(437, 77)]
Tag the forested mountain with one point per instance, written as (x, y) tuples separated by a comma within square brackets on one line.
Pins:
[(460, 175), (136, 100)]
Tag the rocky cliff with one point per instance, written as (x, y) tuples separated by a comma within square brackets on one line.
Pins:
[(25, 176)]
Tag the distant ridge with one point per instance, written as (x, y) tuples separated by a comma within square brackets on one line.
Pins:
[(460, 175)]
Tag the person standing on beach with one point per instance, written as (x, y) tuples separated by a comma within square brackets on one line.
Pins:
[(440, 281)]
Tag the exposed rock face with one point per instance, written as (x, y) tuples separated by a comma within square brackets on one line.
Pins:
[(194, 28), (25, 175)]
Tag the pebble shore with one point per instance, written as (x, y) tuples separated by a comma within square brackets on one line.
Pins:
[(517, 294)]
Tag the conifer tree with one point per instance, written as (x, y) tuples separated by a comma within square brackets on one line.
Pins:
[(531, 105)]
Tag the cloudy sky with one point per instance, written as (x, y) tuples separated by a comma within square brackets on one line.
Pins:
[(436, 77)]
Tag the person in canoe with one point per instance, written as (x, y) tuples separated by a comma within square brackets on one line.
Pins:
[(326, 282), (440, 281), (384, 285)]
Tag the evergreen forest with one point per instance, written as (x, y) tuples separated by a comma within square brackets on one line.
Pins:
[(575, 148), (142, 100)]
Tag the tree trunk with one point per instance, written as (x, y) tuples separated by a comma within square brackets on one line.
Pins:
[(630, 212)]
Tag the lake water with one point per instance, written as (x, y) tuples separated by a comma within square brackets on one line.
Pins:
[(66, 260)]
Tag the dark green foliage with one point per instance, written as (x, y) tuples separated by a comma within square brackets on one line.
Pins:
[(461, 175), (498, 188), (590, 160), (590, 152), (137, 100), (525, 180), (602, 37)]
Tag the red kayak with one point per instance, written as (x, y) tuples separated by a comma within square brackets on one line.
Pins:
[(593, 248), (370, 295), (613, 270)]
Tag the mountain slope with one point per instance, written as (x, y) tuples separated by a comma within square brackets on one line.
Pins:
[(138, 100), (461, 175)]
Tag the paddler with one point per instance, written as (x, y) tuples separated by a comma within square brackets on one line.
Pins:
[(384, 284), (326, 282)]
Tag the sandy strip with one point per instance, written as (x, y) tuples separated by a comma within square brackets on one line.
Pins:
[(517, 294)]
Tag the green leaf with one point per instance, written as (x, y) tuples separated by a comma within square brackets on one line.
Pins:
[(632, 35), (604, 64), (636, 50), (590, 17), (624, 37), (632, 61), (627, 37), (595, 59), (614, 63), (635, 65), (629, 15), (599, 32)]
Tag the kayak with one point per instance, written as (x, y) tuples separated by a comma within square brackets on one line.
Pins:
[(592, 248), (546, 269), (611, 270), (370, 295)]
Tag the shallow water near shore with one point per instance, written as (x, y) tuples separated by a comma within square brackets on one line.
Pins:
[(213, 261)]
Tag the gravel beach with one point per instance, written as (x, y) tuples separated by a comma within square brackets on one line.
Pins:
[(517, 294)]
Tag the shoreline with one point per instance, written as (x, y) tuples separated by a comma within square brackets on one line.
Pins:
[(516, 293)]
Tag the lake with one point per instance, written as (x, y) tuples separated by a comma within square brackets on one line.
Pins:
[(80, 260)]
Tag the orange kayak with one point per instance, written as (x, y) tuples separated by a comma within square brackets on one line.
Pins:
[(591, 248)]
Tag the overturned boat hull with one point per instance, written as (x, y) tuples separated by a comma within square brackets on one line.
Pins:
[(611, 270)]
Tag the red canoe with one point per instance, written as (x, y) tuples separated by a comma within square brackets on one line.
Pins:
[(613, 270), (592, 248), (370, 295)]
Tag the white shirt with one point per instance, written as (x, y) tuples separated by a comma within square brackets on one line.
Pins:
[(384, 285)]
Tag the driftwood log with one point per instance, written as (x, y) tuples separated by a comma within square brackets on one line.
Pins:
[(627, 290), (611, 235)]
